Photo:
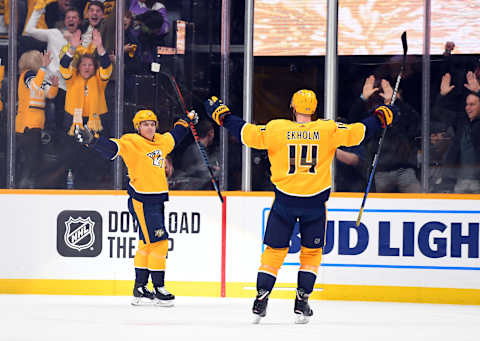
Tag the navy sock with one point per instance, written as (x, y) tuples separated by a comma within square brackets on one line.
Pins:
[(265, 281), (141, 276), (158, 278), (306, 281)]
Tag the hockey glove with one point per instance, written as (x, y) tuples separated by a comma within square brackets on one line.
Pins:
[(191, 117), (83, 136), (216, 109), (386, 114)]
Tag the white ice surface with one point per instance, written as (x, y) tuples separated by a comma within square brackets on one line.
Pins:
[(87, 318)]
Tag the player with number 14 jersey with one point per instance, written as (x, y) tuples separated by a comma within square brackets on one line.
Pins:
[(300, 153)]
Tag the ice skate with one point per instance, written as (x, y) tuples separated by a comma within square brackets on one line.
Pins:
[(163, 298), (260, 305), (302, 308), (142, 296)]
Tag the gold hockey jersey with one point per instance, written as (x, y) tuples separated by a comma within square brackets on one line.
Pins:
[(145, 161), (31, 101), (300, 154)]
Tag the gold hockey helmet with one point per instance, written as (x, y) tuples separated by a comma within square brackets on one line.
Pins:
[(304, 102), (144, 115)]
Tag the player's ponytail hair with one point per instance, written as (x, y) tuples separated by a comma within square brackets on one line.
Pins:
[(30, 60)]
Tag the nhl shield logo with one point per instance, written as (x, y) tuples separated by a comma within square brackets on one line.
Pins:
[(79, 234)]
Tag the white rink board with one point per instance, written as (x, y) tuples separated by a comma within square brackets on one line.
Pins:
[(401, 242), (29, 238)]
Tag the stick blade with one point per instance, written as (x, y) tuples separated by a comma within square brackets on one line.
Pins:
[(404, 42)]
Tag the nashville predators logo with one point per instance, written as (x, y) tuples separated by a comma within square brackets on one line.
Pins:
[(157, 158), (159, 233)]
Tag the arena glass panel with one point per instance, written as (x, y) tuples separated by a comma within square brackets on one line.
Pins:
[(454, 102), (289, 55), (3, 94), (189, 58), (178, 41), (369, 44), (55, 96), (370, 58)]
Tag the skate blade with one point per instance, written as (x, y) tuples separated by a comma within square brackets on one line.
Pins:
[(160, 303), (142, 301), (256, 319), (302, 319)]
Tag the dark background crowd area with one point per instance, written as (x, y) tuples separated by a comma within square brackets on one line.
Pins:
[(275, 80)]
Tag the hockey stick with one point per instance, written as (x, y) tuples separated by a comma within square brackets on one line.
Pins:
[(196, 137), (380, 142)]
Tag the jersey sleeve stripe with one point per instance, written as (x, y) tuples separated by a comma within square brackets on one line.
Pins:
[(118, 149), (241, 134)]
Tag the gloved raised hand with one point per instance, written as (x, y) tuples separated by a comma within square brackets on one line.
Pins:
[(216, 109), (186, 119), (386, 114), (191, 117), (83, 135)]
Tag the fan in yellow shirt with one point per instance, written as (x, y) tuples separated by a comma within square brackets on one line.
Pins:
[(86, 84), (33, 89)]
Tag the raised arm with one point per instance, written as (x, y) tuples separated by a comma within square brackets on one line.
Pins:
[(53, 89), (220, 113), (251, 135), (37, 81), (66, 68), (31, 26), (105, 70)]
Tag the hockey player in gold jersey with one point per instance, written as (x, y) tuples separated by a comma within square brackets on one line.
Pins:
[(300, 153), (144, 154)]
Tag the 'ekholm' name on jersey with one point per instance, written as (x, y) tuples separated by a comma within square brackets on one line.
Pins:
[(303, 135)]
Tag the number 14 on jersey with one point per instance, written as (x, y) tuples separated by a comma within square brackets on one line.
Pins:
[(308, 155)]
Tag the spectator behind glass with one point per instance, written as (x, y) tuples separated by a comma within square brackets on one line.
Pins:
[(108, 5), (55, 12), (194, 174), (132, 51), (440, 139), (30, 120), (96, 19), (151, 16), (25, 9), (97, 15), (396, 168), (464, 151), (350, 167), (85, 85), (85, 100), (55, 39)]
